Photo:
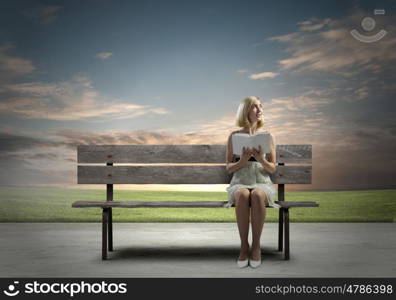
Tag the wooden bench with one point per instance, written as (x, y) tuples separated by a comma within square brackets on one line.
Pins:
[(152, 164)]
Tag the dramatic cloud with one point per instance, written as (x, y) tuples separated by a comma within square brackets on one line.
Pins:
[(299, 119), (13, 143), (327, 45), (76, 99), (353, 136), (12, 66), (71, 138), (104, 55), (313, 24), (43, 14), (263, 75)]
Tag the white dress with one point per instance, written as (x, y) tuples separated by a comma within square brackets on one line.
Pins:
[(253, 175)]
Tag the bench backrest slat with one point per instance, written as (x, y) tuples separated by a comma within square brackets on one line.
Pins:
[(151, 154), (178, 153), (180, 175), (294, 154)]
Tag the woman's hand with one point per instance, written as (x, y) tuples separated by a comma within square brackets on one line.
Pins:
[(246, 154), (268, 165), (258, 154)]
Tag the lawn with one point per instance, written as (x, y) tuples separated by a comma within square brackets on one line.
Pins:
[(54, 205)]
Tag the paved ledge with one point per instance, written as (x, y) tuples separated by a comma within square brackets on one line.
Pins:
[(195, 250)]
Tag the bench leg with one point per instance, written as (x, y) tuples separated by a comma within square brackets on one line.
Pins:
[(110, 233), (280, 230), (105, 219), (287, 234)]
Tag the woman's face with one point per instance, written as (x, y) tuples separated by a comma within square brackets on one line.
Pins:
[(256, 112)]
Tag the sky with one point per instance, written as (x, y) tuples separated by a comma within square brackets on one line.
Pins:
[(174, 72)]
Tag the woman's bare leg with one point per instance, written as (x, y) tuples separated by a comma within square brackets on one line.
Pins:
[(258, 212), (242, 211)]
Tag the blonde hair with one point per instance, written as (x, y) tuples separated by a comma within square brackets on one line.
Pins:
[(242, 116)]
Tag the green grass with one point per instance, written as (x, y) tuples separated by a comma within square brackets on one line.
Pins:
[(54, 205)]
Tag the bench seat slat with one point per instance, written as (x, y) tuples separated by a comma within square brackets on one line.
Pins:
[(132, 204), (288, 204)]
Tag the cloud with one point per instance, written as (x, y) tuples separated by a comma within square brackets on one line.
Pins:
[(71, 138), (75, 99), (313, 24), (263, 75), (13, 66), (285, 38), (43, 14), (291, 119), (362, 92), (104, 55), (327, 45), (17, 142), (24, 155), (323, 53)]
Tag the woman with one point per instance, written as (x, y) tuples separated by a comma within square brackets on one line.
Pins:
[(251, 189)]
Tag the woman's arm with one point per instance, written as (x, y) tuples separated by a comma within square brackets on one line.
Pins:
[(270, 164), (231, 166)]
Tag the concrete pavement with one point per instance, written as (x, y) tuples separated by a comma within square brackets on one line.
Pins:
[(195, 250)]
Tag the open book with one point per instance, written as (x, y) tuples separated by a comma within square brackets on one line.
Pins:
[(240, 140)]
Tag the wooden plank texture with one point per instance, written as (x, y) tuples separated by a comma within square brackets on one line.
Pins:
[(292, 175), (179, 154), (135, 204), (153, 174), (294, 154), (180, 175), (151, 153), (288, 204)]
